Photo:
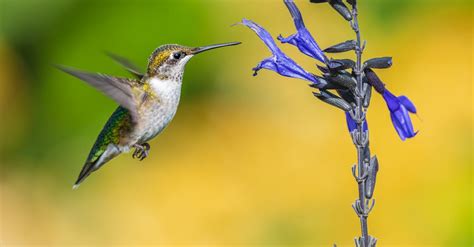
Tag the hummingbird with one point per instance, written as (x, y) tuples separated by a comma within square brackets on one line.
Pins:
[(147, 103)]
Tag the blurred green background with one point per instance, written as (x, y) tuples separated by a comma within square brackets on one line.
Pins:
[(247, 160)]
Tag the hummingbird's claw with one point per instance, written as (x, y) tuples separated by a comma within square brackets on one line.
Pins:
[(134, 155), (141, 151)]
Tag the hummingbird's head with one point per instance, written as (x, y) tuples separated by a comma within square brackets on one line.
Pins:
[(168, 61)]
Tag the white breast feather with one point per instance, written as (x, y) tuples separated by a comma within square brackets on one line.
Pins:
[(163, 88), (160, 115)]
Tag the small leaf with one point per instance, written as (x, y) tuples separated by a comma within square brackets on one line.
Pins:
[(371, 178), (378, 63), (333, 100), (342, 47), (340, 64), (341, 8)]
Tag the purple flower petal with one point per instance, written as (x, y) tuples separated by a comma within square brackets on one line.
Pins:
[(391, 100), (302, 39), (407, 103), (399, 108), (263, 35), (279, 62), (398, 128), (352, 125)]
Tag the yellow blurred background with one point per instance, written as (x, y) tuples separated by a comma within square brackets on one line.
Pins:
[(247, 160)]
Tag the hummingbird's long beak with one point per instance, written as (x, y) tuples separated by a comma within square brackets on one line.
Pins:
[(210, 47)]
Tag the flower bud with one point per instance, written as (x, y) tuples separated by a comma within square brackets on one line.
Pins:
[(342, 47), (367, 92), (341, 8), (378, 63), (333, 100), (342, 79), (375, 81), (347, 95), (340, 64), (323, 69), (367, 95), (371, 177), (323, 84)]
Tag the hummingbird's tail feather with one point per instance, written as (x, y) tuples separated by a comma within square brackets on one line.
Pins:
[(90, 166), (87, 169)]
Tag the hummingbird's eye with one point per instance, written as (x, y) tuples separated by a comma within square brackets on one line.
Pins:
[(178, 55)]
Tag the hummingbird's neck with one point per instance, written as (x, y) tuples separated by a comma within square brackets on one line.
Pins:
[(164, 87), (166, 76)]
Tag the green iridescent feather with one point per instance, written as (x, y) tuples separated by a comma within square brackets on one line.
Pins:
[(118, 124)]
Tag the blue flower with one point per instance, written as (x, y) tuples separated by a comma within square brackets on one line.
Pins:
[(399, 108), (279, 62), (352, 125), (302, 39)]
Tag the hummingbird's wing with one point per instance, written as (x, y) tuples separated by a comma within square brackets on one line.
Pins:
[(124, 91), (129, 66)]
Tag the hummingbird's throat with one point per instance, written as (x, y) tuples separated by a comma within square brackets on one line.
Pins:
[(164, 88)]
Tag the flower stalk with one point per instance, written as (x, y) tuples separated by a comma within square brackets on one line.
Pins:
[(360, 139), (346, 85)]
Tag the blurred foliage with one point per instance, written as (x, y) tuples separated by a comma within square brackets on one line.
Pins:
[(246, 160)]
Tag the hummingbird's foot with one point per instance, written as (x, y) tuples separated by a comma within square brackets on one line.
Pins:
[(141, 151)]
